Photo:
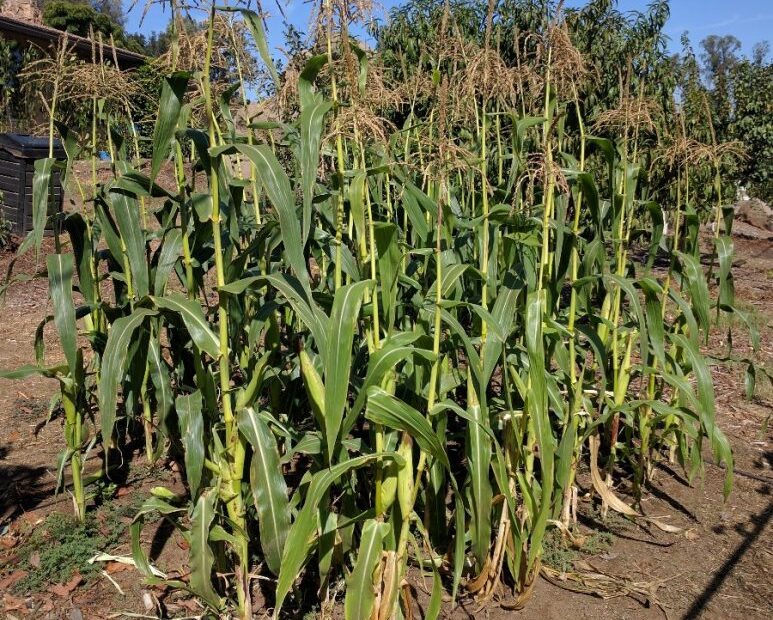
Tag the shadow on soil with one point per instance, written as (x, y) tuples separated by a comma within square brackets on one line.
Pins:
[(759, 522), (21, 487)]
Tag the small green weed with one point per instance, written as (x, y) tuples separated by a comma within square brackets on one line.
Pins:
[(62, 546), (558, 554)]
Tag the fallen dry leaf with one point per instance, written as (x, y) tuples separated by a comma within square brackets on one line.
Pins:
[(10, 580), (116, 567), (11, 603), (9, 541), (65, 589), (35, 559), (189, 605)]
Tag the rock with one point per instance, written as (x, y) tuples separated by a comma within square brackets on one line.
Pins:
[(76, 614), (754, 212)]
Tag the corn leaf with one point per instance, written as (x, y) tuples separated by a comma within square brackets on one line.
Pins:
[(60, 268), (193, 318), (338, 357), (269, 490), (360, 596), (170, 103), (201, 557), (114, 365), (189, 414)]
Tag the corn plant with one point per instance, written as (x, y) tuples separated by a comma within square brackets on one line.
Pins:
[(377, 349)]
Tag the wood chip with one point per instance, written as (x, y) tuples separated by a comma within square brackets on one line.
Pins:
[(65, 589)]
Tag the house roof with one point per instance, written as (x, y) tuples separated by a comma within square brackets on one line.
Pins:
[(45, 36)]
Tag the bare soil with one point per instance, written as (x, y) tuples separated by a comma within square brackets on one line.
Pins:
[(720, 566)]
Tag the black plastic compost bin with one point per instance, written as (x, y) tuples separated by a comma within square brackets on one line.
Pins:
[(18, 153)]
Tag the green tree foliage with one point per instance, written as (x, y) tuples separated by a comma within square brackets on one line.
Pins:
[(752, 122), (81, 18), (13, 105)]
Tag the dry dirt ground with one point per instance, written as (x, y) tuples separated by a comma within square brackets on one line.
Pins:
[(720, 566)]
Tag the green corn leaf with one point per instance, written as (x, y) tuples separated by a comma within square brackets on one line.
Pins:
[(328, 521), (29, 370), (360, 595), (195, 321), (633, 299), (415, 214), (171, 250), (478, 451), (269, 489), (60, 268), (537, 406), (82, 247), (114, 365), (687, 314), (189, 414), (311, 121), (357, 189), (306, 80), (41, 185), (170, 103), (748, 320), (338, 357), (277, 185), (255, 24), (653, 309), (149, 506), (303, 532), (699, 291), (383, 408), (469, 347), (292, 290), (159, 375), (704, 387), (503, 314), (656, 215), (397, 348), (126, 212), (389, 256), (201, 557), (724, 247)]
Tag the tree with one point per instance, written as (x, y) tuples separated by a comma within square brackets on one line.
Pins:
[(79, 18), (111, 8), (719, 56), (752, 122)]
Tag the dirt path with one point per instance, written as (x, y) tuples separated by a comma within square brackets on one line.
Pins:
[(720, 566)]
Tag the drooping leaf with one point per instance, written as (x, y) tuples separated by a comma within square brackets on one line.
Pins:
[(192, 316)]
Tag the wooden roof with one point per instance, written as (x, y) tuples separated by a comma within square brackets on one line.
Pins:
[(45, 36)]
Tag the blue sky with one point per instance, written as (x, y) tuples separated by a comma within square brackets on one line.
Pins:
[(750, 21)]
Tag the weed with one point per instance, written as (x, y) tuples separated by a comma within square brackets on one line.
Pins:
[(560, 555), (63, 545)]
